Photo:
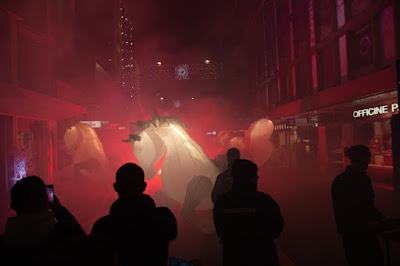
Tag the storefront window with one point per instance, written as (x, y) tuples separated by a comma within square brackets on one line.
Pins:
[(31, 153), (6, 157)]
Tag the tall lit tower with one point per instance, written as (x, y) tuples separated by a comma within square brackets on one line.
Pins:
[(126, 63)]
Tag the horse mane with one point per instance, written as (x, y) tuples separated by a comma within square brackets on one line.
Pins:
[(156, 121)]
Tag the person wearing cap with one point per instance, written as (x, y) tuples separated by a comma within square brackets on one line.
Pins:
[(140, 231), (246, 220)]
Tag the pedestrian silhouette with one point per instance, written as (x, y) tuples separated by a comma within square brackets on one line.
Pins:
[(36, 235), (247, 220), (140, 231), (224, 180), (355, 212)]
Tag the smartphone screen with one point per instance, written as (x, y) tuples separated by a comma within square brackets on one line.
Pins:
[(179, 262), (50, 192)]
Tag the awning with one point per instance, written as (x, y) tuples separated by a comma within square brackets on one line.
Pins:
[(31, 104)]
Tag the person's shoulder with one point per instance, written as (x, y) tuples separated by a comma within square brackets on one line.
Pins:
[(2, 246), (162, 216), (166, 222), (101, 224), (339, 179), (226, 197), (262, 195), (164, 212), (224, 174), (103, 220), (264, 199)]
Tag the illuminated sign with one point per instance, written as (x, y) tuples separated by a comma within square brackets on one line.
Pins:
[(287, 124), (182, 72), (376, 110), (93, 124)]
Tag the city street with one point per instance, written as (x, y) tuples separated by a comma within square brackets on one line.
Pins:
[(309, 236), (300, 87)]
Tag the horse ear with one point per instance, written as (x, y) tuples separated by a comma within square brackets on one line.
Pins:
[(154, 123), (155, 115), (133, 137), (141, 124)]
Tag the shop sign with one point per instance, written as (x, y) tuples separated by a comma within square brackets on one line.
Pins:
[(376, 110), (302, 122), (319, 118), (313, 118), (281, 127), (291, 122), (287, 124), (93, 124)]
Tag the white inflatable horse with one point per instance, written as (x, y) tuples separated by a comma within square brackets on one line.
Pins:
[(187, 174)]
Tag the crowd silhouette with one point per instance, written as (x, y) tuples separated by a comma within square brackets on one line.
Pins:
[(136, 232)]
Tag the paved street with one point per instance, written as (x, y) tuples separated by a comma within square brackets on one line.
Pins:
[(310, 237)]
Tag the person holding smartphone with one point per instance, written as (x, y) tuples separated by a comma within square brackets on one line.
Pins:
[(40, 229)]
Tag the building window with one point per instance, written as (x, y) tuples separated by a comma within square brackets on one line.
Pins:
[(361, 50), (5, 49), (329, 67), (358, 6), (387, 37), (326, 18), (283, 33), (301, 28), (7, 156), (34, 66), (304, 84)]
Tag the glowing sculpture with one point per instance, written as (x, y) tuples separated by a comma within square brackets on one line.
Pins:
[(255, 145), (82, 142), (187, 174), (85, 186), (258, 142)]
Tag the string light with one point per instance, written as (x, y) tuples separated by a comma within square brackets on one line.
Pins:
[(196, 71), (130, 75)]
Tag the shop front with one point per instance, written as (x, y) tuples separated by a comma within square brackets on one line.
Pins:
[(355, 112), (297, 138), (28, 135), (363, 121)]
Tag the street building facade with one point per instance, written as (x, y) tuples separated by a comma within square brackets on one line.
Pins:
[(325, 74)]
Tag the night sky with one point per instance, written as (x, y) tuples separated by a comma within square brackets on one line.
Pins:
[(186, 30)]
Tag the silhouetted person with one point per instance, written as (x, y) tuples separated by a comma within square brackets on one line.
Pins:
[(36, 235), (247, 220), (224, 180), (355, 211), (140, 231), (300, 152)]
